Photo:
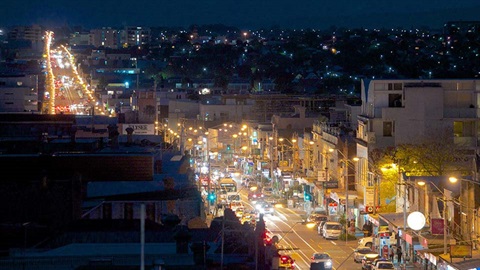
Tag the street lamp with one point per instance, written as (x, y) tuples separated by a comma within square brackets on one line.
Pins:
[(444, 200), (345, 177), (470, 197)]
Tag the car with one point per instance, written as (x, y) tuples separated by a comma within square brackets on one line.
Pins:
[(286, 262), (359, 253), (267, 191), (234, 205), (239, 212), (255, 196), (252, 185), (317, 218), (320, 227), (268, 237), (365, 242), (383, 265), (264, 208), (368, 260), (332, 230), (246, 218), (321, 260)]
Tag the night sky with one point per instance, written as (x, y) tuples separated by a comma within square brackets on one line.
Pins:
[(245, 14)]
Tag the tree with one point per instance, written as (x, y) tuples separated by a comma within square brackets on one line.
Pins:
[(432, 155), (435, 154)]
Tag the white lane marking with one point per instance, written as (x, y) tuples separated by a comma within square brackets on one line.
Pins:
[(281, 216), (291, 244)]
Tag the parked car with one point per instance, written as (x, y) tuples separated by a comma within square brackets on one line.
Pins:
[(332, 230), (365, 242), (368, 260), (320, 227), (359, 253), (321, 260), (382, 264), (317, 218)]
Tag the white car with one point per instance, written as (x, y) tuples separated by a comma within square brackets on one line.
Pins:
[(382, 264), (365, 242), (332, 230), (265, 208), (359, 253)]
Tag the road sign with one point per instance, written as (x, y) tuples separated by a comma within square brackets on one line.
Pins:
[(331, 184)]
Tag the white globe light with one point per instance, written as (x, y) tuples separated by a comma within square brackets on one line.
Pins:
[(416, 221)]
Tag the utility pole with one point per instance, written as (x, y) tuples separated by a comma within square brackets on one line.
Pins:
[(347, 222), (223, 241)]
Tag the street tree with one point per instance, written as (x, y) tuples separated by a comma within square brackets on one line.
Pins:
[(434, 154)]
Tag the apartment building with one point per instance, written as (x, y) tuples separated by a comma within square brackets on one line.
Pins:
[(33, 33), (19, 93), (137, 36), (106, 37), (394, 112)]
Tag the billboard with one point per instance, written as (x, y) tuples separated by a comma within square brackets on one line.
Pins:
[(436, 224), (460, 251), (139, 129)]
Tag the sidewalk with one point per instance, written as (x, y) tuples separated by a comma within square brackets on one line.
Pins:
[(410, 266)]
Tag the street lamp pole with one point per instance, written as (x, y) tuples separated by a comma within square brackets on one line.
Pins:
[(404, 221), (471, 223), (444, 199)]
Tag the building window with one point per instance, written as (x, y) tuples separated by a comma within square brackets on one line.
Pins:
[(387, 129), (395, 86), (394, 100), (463, 129)]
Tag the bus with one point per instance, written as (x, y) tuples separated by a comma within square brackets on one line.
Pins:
[(227, 190)]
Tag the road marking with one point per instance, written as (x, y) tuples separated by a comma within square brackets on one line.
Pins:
[(281, 216)]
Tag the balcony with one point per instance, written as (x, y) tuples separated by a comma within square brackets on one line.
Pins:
[(461, 113)]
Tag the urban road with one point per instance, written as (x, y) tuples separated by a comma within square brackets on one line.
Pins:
[(301, 242)]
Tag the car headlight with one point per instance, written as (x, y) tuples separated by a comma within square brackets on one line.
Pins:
[(328, 263)]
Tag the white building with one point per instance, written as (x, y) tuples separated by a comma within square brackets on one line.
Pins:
[(398, 112), (19, 93)]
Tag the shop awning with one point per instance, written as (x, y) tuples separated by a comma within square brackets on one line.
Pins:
[(394, 220), (430, 254)]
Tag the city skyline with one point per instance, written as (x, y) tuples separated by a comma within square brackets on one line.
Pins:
[(247, 14)]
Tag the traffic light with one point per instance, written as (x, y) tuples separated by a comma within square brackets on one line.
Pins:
[(228, 147), (307, 196), (212, 197)]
